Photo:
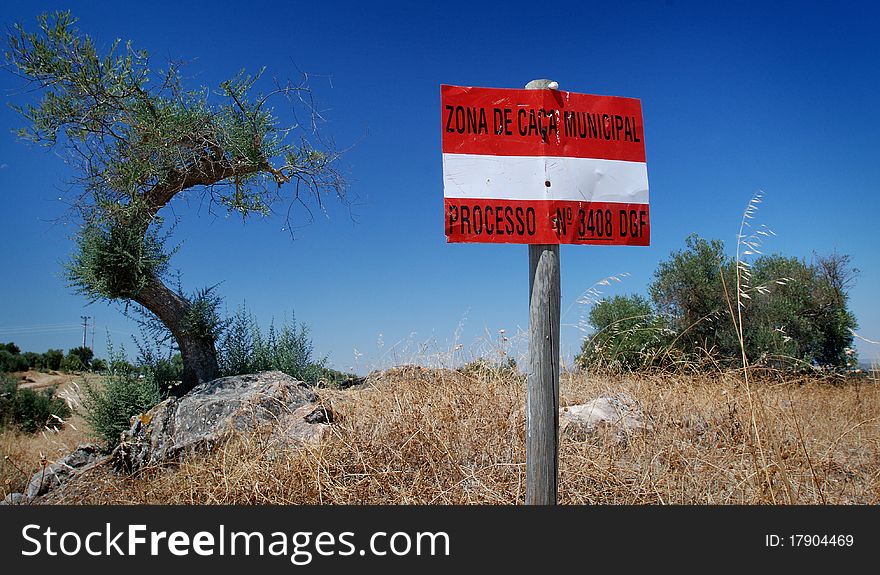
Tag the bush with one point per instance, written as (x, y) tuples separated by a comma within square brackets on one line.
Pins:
[(245, 349), (52, 359), (10, 347), (109, 408), (12, 362), (84, 354), (72, 363), (628, 335), (156, 358), (689, 290), (34, 360), (126, 392), (30, 410), (794, 313)]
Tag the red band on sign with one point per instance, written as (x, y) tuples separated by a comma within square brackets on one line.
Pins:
[(503, 122), (546, 222)]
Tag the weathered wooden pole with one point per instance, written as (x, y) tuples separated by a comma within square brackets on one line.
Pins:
[(542, 403)]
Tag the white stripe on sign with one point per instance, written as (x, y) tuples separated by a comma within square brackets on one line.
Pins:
[(526, 178)]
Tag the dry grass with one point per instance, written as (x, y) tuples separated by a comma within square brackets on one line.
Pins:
[(433, 436), (22, 454)]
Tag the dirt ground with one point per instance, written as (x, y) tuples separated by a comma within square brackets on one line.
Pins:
[(41, 380)]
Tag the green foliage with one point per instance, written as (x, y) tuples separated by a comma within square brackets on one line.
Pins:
[(245, 349), (11, 358), (691, 289), (159, 361), (10, 347), (124, 393), (794, 313), (202, 320), (85, 355), (72, 363), (99, 365), (52, 359), (34, 360), (30, 410), (12, 362), (115, 260), (628, 335)]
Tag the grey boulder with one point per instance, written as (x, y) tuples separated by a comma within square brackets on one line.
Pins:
[(55, 474), (213, 410), (619, 413)]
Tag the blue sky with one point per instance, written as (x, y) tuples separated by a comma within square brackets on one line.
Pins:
[(736, 98)]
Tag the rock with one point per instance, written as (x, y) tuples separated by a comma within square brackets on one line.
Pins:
[(305, 425), (350, 382), (211, 411), (55, 474), (15, 499), (620, 413)]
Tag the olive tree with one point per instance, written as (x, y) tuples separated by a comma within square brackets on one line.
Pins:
[(139, 141)]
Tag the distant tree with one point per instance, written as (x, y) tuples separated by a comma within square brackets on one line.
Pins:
[(52, 358), (799, 311), (139, 141), (12, 361), (99, 365), (689, 290), (84, 354), (792, 311), (628, 335), (10, 347), (72, 363), (33, 359)]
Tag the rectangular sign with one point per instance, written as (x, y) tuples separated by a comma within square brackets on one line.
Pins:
[(543, 167)]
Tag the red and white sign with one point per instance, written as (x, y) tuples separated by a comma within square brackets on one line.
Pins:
[(543, 167)]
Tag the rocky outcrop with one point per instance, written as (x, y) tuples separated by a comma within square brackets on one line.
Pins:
[(211, 411), (55, 474), (618, 413), (15, 499)]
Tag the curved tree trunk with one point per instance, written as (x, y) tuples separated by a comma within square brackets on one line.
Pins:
[(198, 353)]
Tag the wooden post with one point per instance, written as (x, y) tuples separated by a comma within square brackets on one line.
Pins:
[(542, 404)]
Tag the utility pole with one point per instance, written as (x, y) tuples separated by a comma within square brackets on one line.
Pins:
[(85, 319)]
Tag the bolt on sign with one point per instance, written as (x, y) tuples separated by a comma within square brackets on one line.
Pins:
[(543, 167)]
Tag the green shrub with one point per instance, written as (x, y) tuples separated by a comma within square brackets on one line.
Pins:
[(794, 313), (52, 359), (72, 363), (84, 354), (30, 410), (10, 347), (628, 335), (12, 361), (244, 348), (109, 408), (34, 360)]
